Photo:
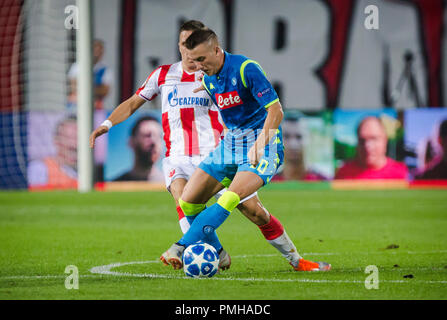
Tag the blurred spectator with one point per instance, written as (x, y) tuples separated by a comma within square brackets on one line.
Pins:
[(102, 77), (294, 166), (437, 168), (102, 80), (58, 171), (371, 161), (145, 141)]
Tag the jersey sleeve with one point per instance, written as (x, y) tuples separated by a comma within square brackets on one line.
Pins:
[(150, 89), (254, 78)]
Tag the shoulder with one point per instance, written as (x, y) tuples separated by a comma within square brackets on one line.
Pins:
[(250, 70), (164, 69), (241, 62), (236, 63), (158, 75), (173, 67), (237, 59)]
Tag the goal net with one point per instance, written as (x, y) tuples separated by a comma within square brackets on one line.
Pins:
[(38, 71)]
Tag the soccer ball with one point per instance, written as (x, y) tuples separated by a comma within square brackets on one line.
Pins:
[(200, 260)]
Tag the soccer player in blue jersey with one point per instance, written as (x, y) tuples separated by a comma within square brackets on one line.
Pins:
[(247, 157)]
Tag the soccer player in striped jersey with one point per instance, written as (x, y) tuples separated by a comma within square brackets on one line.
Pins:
[(191, 125), (246, 158)]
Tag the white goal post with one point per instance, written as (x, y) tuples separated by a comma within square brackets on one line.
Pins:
[(85, 94)]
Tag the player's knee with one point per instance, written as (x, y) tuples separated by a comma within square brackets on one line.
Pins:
[(191, 209), (229, 200)]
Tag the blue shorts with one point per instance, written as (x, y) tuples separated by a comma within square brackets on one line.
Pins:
[(226, 160)]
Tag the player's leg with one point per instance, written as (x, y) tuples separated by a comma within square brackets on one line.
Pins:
[(271, 228), (275, 234), (196, 193), (243, 184), (193, 205), (211, 176), (177, 171), (176, 189), (191, 208), (176, 174), (200, 187), (239, 183)]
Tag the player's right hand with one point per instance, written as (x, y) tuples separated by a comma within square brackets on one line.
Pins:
[(95, 134)]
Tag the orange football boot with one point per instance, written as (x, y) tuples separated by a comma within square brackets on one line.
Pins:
[(306, 265)]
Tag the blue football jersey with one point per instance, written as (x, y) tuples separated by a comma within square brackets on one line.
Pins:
[(242, 93)]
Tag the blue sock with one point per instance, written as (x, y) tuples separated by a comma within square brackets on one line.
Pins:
[(211, 239), (204, 226)]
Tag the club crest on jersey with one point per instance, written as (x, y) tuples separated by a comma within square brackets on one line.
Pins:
[(175, 100), (234, 81), (228, 100)]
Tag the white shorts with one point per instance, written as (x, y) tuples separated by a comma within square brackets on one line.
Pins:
[(176, 167)]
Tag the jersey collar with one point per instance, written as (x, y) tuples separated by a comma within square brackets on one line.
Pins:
[(222, 72)]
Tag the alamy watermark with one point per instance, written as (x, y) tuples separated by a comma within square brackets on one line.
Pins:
[(372, 20), (72, 18), (372, 280), (72, 281)]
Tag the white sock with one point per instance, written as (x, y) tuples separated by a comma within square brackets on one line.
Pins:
[(286, 247)]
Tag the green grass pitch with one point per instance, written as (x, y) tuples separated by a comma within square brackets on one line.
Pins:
[(115, 240)]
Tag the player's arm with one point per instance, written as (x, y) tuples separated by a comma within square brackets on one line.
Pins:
[(274, 117), (255, 79), (121, 113)]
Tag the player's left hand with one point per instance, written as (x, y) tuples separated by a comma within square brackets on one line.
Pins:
[(95, 134), (255, 154)]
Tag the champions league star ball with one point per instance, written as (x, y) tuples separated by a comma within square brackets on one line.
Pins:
[(200, 260)]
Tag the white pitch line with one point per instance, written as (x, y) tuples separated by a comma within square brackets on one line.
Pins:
[(106, 270), (46, 277), (392, 251), (100, 273)]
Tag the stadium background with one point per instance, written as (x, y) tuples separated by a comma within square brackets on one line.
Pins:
[(318, 54)]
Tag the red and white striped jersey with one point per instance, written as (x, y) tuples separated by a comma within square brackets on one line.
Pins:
[(191, 122)]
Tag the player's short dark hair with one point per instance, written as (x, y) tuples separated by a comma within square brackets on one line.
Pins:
[(443, 129), (191, 25), (200, 36), (137, 124)]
